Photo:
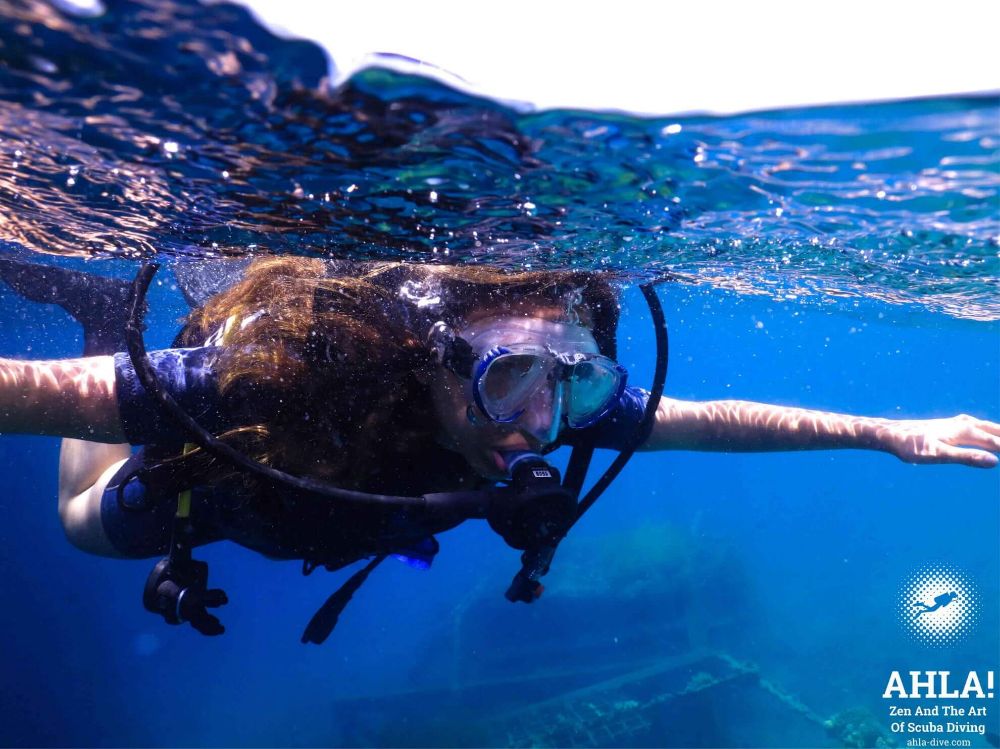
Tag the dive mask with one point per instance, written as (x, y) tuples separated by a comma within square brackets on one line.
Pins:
[(538, 373)]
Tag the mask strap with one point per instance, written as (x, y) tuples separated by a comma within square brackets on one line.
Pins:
[(451, 352)]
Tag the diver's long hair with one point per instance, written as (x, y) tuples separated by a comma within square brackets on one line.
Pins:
[(325, 368)]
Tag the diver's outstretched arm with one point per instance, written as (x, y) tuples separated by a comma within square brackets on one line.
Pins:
[(70, 398), (743, 426), (63, 398)]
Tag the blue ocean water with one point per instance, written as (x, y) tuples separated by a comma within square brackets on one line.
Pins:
[(842, 258)]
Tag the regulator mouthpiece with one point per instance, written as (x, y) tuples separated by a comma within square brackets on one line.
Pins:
[(536, 509)]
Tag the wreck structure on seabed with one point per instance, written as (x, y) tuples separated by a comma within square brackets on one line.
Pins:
[(630, 647)]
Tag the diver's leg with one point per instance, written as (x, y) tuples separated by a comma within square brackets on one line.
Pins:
[(81, 464), (84, 471), (98, 303), (85, 468)]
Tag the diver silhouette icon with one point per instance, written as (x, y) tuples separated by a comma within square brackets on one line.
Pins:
[(939, 602)]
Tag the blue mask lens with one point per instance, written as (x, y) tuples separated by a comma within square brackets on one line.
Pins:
[(592, 387), (507, 380)]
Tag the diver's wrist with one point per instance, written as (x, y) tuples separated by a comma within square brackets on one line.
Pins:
[(873, 434)]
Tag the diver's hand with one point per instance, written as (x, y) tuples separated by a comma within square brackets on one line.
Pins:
[(960, 439)]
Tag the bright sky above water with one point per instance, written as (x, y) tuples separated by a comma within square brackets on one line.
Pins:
[(667, 57)]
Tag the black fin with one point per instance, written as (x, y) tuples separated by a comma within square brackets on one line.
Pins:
[(98, 303), (324, 620), (199, 280)]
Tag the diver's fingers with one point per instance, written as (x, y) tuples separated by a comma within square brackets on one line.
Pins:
[(973, 422), (970, 434), (990, 427), (979, 437), (946, 453)]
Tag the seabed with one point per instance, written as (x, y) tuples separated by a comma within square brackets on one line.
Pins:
[(566, 673)]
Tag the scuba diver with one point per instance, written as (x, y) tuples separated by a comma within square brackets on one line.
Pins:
[(942, 600), (332, 412)]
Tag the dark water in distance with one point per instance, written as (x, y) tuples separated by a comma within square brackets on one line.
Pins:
[(189, 131), (186, 130)]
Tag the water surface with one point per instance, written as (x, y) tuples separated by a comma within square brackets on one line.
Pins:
[(175, 129)]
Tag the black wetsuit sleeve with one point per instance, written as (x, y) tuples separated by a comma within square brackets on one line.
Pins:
[(617, 427), (188, 374)]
